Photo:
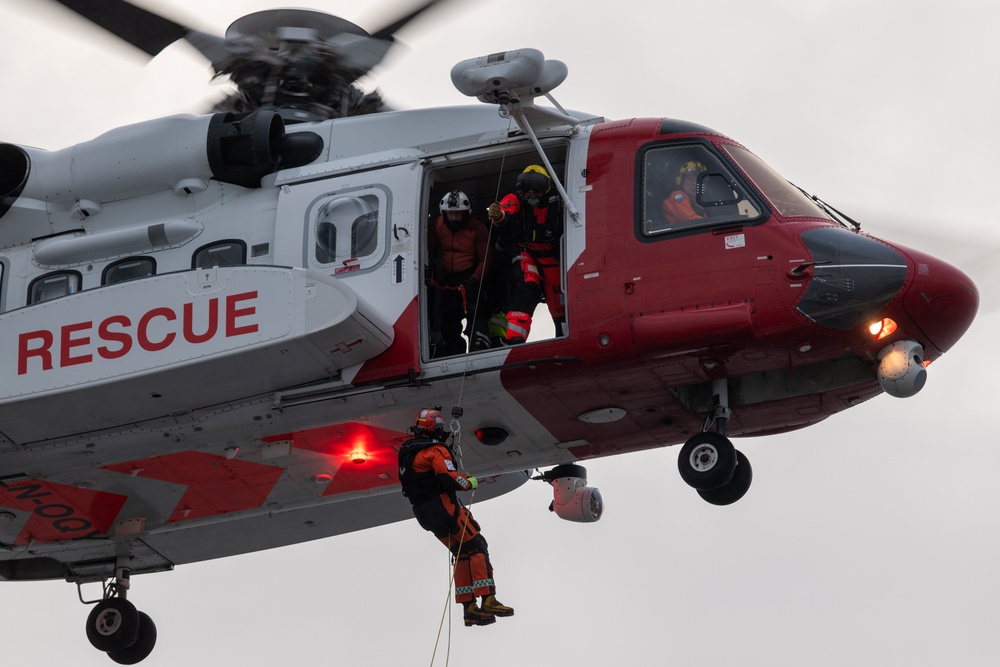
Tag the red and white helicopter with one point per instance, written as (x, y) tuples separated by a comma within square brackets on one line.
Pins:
[(245, 291)]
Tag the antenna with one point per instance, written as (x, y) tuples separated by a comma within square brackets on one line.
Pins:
[(513, 79)]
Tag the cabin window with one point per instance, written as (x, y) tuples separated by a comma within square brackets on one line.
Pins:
[(687, 187), (224, 253), (786, 199), (348, 231), (52, 286), (129, 269)]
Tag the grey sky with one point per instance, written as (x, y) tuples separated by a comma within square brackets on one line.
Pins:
[(870, 539)]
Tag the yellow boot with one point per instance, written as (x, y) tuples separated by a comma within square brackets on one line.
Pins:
[(476, 616), (493, 606)]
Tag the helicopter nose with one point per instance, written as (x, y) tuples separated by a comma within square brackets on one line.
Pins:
[(941, 300)]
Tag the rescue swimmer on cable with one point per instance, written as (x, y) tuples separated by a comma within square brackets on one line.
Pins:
[(430, 480)]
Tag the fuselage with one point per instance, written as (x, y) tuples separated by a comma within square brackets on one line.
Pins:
[(201, 368)]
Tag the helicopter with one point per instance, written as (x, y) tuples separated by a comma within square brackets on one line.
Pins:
[(133, 268)]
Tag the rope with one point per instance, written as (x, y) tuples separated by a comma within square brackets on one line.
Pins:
[(489, 250), (452, 566), (456, 428)]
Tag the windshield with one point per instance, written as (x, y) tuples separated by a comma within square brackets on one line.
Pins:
[(788, 201)]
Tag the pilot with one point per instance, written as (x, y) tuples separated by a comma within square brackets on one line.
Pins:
[(530, 224), (458, 247), (429, 479), (681, 205)]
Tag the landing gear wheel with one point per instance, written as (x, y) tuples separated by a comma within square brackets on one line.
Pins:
[(707, 461), (142, 647), (736, 488), (113, 624)]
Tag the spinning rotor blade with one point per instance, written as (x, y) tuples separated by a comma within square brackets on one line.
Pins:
[(301, 60), (388, 32), (142, 29), (148, 32)]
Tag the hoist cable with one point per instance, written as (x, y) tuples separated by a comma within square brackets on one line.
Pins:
[(486, 263), (452, 567), (456, 428)]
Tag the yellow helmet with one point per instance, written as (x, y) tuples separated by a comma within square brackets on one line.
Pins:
[(690, 167), (534, 177)]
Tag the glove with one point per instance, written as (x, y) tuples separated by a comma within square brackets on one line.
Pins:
[(495, 212), (473, 482), (471, 288)]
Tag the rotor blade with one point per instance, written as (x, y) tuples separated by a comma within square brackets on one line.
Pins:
[(359, 52), (387, 32), (218, 50), (142, 29)]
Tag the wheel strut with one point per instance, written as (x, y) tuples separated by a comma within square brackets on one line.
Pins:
[(116, 627), (122, 582), (720, 413), (708, 462)]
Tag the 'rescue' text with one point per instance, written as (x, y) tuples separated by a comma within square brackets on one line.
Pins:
[(117, 335)]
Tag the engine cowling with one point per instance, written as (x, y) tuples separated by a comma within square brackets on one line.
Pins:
[(53, 192)]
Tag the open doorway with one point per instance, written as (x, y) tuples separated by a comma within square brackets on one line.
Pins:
[(474, 271)]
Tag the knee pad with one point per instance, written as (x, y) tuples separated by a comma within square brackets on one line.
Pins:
[(477, 545), (526, 270)]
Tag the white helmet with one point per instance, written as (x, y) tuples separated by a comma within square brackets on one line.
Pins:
[(456, 200)]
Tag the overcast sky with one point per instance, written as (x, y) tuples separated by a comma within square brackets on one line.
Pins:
[(870, 539)]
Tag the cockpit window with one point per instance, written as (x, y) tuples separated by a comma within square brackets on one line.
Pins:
[(687, 187), (786, 199)]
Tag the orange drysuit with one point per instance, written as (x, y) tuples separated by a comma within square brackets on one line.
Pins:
[(678, 207), (429, 479)]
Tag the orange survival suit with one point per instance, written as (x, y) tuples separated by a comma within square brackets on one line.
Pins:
[(429, 479)]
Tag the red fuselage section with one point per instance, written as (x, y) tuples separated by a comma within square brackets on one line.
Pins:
[(777, 296)]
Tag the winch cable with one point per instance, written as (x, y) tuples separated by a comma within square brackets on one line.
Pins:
[(456, 427), (488, 261), (446, 612)]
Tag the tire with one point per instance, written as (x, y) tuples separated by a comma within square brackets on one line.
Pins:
[(727, 494), (142, 647), (707, 461), (113, 624)]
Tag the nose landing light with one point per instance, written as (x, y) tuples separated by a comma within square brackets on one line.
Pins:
[(884, 327)]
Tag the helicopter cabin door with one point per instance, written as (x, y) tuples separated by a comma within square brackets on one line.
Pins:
[(360, 228)]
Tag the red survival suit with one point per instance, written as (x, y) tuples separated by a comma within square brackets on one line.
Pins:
[(430, 480), (530, 237)]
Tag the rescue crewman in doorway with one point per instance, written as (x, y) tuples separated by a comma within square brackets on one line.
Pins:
[(429, 479), (530, 224), (458, 246)]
